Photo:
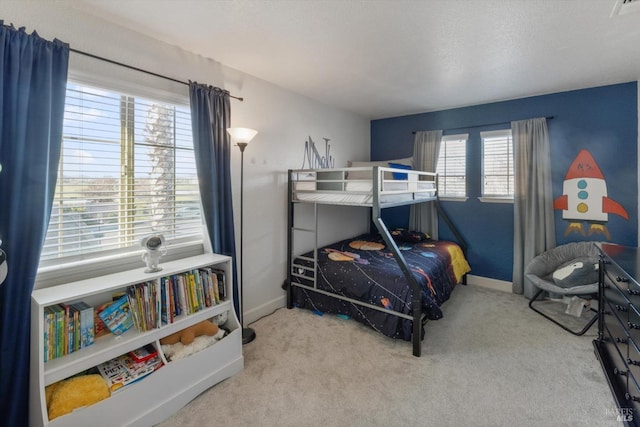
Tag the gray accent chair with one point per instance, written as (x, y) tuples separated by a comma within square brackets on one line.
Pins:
[(540, 271)]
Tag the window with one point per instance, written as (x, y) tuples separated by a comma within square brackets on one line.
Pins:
[(497, 164), (452, 164), (127, 169)]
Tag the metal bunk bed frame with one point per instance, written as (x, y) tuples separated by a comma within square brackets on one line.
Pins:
[(338, 182)]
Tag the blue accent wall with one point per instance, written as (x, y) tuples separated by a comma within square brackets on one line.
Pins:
[(602, 120)]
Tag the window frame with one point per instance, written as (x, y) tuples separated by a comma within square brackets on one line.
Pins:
[(444, 140), (56, 271), (497, 198)]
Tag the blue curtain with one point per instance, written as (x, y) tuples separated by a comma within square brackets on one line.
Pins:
[(210, 118), (33, 75)]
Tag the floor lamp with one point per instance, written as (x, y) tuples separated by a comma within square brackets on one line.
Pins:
[(242, 137)]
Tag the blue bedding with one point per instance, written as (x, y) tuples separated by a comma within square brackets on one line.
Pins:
[(363, 268)]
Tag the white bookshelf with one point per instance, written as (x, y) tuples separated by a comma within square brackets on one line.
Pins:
[(156, 396)]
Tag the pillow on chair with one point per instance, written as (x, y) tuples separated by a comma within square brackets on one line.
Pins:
[(577, 272)]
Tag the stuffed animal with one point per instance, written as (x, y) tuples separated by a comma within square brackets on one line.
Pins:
[(66, 395), (187, 335), (178, 351)]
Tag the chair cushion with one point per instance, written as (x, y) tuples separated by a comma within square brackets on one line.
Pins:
[(577, 272), (540, 270)]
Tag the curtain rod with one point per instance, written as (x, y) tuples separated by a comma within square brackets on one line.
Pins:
[(111, 61), (484, 125)]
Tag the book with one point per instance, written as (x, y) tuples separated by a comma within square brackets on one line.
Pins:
[(98, 325), (117, 316), (183, 295), (124, 370), (209, 280), (86, 323), (48, 333), (144, 353), (222, 291), (177, 302), (216, 290), (65, 329), (76, 328), (199, 290), (58, 331), (146, 302)]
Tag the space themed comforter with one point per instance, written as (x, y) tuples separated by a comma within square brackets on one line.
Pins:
[(363, 268)]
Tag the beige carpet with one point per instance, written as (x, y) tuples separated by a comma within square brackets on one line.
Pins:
[(490, 361)]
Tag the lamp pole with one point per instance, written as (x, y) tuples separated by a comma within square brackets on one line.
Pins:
[(248, 334), (242, 136)]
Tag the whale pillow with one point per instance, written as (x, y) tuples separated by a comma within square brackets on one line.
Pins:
[(577, 272)]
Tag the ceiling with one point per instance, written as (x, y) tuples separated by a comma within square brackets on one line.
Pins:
[(385, 58)]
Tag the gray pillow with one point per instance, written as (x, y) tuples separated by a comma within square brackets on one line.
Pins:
[(577, 272)]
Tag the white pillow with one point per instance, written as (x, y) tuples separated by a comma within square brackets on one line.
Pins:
[(577, 272), (383, 163), (180, 351)]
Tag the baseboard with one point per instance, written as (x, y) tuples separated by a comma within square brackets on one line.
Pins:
[(486, 282), (264, 310)]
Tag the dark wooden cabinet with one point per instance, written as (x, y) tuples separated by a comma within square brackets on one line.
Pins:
[(618, 343)]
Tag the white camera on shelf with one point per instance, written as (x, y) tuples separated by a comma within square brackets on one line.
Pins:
[(154, 248)]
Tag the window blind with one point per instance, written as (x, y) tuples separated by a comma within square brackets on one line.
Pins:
[(127, 169), (452, 165), (497, 163)]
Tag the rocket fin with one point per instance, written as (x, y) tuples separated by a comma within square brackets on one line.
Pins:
[(561, 203), (613, 207)]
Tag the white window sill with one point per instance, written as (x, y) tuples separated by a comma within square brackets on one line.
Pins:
[(56, 274), (495, 199), (453, 198)]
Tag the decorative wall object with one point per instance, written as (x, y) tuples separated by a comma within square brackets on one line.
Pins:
[(314, 159), (585, 199)]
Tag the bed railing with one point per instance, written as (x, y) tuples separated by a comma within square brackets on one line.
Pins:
[(362, 186)]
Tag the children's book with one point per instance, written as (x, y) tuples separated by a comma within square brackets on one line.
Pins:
[(86, 327), (117, 316), (144, 353), (124, 370)]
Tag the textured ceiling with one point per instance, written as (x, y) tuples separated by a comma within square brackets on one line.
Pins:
[(390, 58)]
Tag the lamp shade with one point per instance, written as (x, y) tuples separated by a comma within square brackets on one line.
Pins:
[(242, 135)]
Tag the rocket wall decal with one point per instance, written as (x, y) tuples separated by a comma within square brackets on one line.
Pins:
[(584, 198)]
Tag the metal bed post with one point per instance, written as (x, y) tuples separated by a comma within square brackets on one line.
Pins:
[(416, 300), (289, 286)]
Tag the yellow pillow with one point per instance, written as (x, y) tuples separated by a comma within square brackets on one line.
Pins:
[(66, 395)]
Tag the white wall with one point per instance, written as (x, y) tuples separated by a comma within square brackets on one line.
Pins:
[(283, 119)]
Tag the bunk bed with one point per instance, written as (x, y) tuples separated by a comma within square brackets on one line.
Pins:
[(392, 280)]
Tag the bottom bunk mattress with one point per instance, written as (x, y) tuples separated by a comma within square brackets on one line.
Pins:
[(364, 269)]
